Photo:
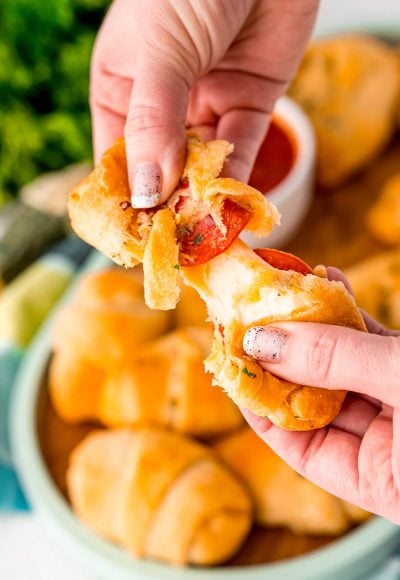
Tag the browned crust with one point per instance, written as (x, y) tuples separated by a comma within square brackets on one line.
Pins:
[(97, 214), (158, 494), (101, 214), (288, 405)]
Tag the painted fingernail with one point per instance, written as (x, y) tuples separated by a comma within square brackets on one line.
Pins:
[(265, 343), (146, 185)]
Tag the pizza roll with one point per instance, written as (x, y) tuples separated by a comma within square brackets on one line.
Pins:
[(164, 383), (111, 365), (201, 219), (242, 290), (239, 288)]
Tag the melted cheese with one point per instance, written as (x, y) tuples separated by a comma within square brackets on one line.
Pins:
[(239, 285)]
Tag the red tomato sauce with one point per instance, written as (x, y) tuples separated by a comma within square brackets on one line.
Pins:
[(275, 158)]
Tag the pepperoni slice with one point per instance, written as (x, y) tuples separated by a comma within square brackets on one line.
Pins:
[(283, 260), (204, 240)]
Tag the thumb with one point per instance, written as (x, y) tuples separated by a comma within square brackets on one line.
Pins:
[(332, 357), (247, 129), (155, 133)]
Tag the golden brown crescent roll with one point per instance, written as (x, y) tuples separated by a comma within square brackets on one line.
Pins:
[(196, 234), (282, 497), (241, 290), (349, 86), (383, 219), (376, 286), (104, 323), (107, 317), (162, 382), (75, 384), (165, 237), (160, 495)]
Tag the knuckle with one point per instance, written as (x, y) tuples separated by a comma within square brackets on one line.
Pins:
[(145, 119), (321, 357)]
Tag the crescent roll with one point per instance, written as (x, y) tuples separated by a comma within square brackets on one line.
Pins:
[(241, 290), (195, 235), (102, 371), (164, 383), (281, 496), (160, 495), (165, 237), (350, 86)]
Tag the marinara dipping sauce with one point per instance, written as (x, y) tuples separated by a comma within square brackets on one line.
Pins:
[(275, 158)]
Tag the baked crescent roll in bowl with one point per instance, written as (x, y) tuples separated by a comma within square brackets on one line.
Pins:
[(106, 320), (281, 496), (106, 368), (159, 494), (350, 86), (107, 316), (164, 383), (195, 235)]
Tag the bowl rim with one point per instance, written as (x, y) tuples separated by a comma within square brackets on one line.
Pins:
[(101, 554)]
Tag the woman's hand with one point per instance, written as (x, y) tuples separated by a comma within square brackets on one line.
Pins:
[(357, 457), (162, 65)]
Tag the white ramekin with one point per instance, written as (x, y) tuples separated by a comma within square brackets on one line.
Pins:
[(293, 195)]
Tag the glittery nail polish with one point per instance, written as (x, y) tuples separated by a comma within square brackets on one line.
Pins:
[(146, 185), (265, 343)]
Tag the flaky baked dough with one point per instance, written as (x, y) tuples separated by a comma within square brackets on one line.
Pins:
[(241, 291), (100, 213), (101, 371), (164, 383), (235, 285), (107, 317), (160, 495), (350, 86), (104, 322), (281, 496)]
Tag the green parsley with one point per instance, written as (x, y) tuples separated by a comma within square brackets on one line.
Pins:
[(177, 266), (246, 371), (198, 239)]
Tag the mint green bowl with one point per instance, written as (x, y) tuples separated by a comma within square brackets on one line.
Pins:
[(352, 556)]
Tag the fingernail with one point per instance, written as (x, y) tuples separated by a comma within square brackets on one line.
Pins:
[(265, 343), (146, 185)]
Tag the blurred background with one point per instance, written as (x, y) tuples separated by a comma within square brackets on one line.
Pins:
[(44, 117)]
